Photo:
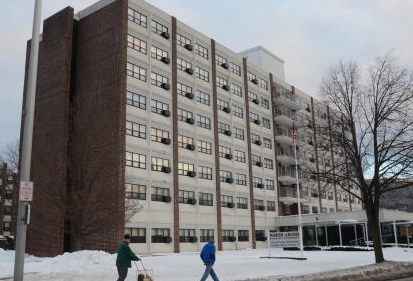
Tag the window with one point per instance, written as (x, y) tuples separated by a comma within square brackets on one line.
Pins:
[(135, 100), (266, 123), (219, 60), (202, 97), (7, 210), (222, 105), (224, 151), (138, 235), (242, 203), (235, 68), (184, 115), (161, 235), (239, 133), (187, 235), (159, 135), (260, 235), (222, 82), (265, 103), (135, 160), (223, 128), (243, 235), (158, 28), (251, 76), (204, 147), (259, 204), (135, 129), (158, 53), (137, 17), (183, 89), (204, 172), (271, 206), (184, 141), (269, 184), (227, 201), (254, 118), (184, 65), (182, 40), (135, 191), (201, 74), (252, 97), (268, 163), (228, 235), (241, 179), (186, 169), (255, 138), (160, 194), (257, 182), (136, 71), (238, 111), (159, 164), (225, 176), (187, 197), (159, 107), (206, 235), (263, 83), (201, 51), (236, 90), (159, 80), (256, 160), (239, 156), (314, 209), (137, 44), (266, 142), (206, 199), (203, 122)]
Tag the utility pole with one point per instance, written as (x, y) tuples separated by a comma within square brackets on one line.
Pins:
[(28, 115)]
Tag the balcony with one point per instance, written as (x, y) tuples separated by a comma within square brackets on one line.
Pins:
[(286, 99), (288, 195)]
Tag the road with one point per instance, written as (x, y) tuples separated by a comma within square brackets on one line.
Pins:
[(404, 279)]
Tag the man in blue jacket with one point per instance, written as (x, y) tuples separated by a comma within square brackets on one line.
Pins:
[(208, 257)]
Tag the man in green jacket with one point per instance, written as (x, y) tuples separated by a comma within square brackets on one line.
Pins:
[(124, 258)]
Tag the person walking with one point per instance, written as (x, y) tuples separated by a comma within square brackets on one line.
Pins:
[(208, 257), (124, 258)]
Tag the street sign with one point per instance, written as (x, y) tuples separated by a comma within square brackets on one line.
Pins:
[(26, 191)]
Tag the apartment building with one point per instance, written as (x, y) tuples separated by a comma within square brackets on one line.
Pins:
[(134, 104), (8, 180)]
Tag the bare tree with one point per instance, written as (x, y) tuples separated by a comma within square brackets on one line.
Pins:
[(373, 129), (10, 155)]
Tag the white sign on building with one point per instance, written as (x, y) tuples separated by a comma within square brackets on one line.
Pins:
[(283, 239)]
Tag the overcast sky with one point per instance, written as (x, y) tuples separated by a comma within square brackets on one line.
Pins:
[(308, 35)]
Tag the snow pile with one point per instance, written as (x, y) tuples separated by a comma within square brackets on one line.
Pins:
[(230, 266)]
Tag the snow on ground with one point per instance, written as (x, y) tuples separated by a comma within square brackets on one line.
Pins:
[(230, 265)]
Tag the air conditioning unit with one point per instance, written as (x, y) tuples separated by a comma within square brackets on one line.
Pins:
[(262, 208), (189, 47), (166, 113), (225, 65), (166, 199), (165, 86), (189, 95), (168, 239), (231, 205), (259, 164), (260, 185), (255, 81), (229, 180), (227, 109), (165, 60), (228, 132), (190, 146), (225, 87), (190, 71), (191, 174), (258, 142), (166, 169), (193, 239), (166, 140), (190, 120), (165, 35), (192, 201), (257, 121), (256, 101), (228, 156)]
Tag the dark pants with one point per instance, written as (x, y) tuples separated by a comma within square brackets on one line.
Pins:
[(123, 272), (209, 271)]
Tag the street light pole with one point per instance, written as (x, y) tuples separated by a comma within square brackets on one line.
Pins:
[(28, 115)]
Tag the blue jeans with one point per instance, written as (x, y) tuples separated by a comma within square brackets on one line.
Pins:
[(209, 271)]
